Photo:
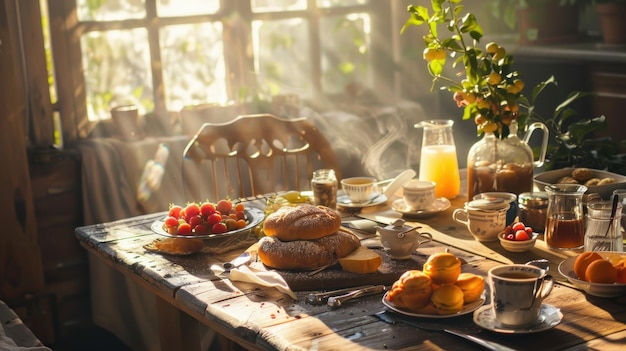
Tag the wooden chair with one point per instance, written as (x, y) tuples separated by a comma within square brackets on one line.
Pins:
[(255, 155)]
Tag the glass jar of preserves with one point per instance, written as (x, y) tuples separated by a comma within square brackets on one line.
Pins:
[(533, 209), (324, 186)]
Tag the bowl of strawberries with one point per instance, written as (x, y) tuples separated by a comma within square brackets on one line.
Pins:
[(518, 237)]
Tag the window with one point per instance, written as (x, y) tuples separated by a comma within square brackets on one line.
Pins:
[(162, 55)]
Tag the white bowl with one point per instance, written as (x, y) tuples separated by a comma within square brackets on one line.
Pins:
[(605, 191), (566, 268), (517, 246)]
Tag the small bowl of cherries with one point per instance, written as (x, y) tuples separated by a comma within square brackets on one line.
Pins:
[(518, 237)]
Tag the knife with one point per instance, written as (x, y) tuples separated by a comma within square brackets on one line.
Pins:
[(392, 318)]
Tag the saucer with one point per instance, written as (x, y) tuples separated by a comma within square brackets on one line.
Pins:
[(549, 317), (343, 200), (439, 205)]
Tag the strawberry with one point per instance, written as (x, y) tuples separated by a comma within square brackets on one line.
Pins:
[(521, 235)]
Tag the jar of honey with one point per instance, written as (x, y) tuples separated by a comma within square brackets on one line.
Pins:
[(533, 209)]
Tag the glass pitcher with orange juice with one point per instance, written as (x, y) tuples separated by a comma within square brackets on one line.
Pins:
[(438, 161)]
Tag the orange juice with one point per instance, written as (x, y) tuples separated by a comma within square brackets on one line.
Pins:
[(438, 163)]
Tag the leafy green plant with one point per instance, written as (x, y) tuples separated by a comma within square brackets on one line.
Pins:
[(487, 86), (490, 90), (575, 144)]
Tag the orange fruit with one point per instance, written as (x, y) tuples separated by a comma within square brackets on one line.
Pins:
[(621, 271), (601, 271), (582, 261)]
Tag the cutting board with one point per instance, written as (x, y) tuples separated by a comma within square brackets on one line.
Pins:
[(335, 278)]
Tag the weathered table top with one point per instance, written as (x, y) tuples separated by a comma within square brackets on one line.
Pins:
[(263, 318)]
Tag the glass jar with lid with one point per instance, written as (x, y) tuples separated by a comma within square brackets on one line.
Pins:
[(533, 209)]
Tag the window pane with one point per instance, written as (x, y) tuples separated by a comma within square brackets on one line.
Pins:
[(277, 5), (175, 8), (193, 64), (48, 49), (117, 71), (110, 10), (346, 58), (339, 3), (282, 59)]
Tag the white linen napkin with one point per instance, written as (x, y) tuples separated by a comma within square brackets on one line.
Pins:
[(257, 274)]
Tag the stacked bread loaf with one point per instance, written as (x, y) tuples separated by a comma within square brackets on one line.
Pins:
[(305, 237)]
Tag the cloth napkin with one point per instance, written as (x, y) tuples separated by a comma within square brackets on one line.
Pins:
[(256, 273)]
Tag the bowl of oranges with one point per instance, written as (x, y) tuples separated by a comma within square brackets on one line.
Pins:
[(600, 274)]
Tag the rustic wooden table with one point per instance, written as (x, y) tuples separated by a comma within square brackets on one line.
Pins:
[(262, 318)]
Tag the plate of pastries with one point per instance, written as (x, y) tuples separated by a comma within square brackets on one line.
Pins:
[(440, 290)]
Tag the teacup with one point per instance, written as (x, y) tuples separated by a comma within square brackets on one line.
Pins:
[(483, 223), (359, 189), (399, 245), (517, 292), (418, 194), (508, 198)]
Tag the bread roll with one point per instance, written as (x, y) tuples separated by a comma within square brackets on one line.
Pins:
[(443, 268), (448, 299), (411, 291), (472, 286), (307, 254), (303, 222)]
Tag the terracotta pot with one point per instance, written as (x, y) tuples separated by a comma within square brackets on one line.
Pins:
[(613, 23), (540, 25)]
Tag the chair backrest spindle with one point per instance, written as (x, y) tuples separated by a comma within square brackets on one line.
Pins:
[(254, 155)]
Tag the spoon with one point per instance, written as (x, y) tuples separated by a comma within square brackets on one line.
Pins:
[(238, 261), (613, 211)]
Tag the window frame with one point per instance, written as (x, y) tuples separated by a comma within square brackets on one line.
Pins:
[(66, 31)]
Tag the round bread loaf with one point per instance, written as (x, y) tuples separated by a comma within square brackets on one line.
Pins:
[(448, 299), (303, 222), (472, 286), (307, 254), (443, 268), (411, 291)]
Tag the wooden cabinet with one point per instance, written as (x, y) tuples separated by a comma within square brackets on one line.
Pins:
[(57, 198), (608, 82)]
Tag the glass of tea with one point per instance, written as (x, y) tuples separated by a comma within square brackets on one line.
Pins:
[(565, 226)]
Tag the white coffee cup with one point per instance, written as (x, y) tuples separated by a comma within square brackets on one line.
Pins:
[(399, 245), (359, 189), (517, 292), (418, 194), (483, 223)]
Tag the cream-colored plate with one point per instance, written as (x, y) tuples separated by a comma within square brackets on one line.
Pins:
[(467, 308), (566, 268)]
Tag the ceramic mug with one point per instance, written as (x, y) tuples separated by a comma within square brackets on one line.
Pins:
[(400, 246), (508, 198), (484, 225), (359, 189), (418, 194), (517, 292)]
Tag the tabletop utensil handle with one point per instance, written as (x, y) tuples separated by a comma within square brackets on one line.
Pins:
[(321, 298), (489, 345), (336, 301), (613, 212)]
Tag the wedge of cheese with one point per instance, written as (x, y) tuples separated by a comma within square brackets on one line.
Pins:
[(362, 261)]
